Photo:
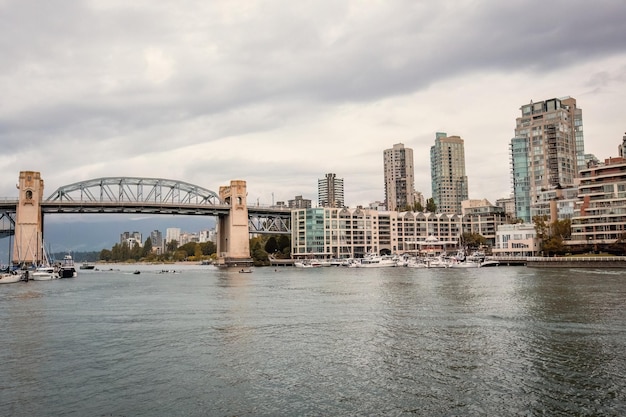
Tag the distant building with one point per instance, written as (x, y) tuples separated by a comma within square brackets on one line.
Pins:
[(299, 202), (330, 191), (156, 239), (621, 149), (131, 239), (399, 177), (377, 205), (547, 151), (172, 233), (447, 171), (555, 204)]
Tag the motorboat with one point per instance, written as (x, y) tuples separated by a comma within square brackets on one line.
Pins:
[(308, 263), (87, 266), (376, 261), (67, 269), (44, 273)]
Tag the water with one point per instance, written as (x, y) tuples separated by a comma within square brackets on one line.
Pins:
[(507, 341)]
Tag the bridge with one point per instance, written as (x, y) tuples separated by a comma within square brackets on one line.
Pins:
[(23, 217)]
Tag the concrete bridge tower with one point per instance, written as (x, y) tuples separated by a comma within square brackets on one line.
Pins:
[(28, 243), (233, 245)]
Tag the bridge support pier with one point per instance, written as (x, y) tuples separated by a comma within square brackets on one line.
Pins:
[(233, 245), (28, 242)]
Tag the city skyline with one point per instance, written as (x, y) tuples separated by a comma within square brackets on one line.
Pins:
[(198, 95)]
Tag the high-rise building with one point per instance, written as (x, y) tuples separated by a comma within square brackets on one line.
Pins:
[(447, 173), (547, 151), (399, 177), (330, 191)]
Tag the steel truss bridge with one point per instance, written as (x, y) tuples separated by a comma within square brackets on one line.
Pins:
[(148, 196)]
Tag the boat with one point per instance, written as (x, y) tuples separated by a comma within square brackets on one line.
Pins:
[(308, 263), (245, 271), (10, 277), (44, 273), (87, 266), (67, 269), (377, 261), (136, 272), (487, 263), (465, 264)]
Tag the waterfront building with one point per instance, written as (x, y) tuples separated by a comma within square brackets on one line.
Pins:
[(298, 202), (447, 168), (600, 214), (547, 151), (351, 233), (330, 191), (518, 239), (482, 218), (399, 176)]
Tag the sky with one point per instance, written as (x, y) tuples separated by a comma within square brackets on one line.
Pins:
[(278, 93)]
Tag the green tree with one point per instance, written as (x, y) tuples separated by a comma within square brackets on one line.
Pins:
[(172, 245), (147, 248), (208, 248), (473, 240), (417, 207), (188, 248), (431, 207), (105, 255), (271, 246)]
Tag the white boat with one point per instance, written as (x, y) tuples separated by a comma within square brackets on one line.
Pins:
[(437, 262), (465, 264), (375, 261), (308, 263), (10, 277), (416, 263), (44, 273), (488, 263)]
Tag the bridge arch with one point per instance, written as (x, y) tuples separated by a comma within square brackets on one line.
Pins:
[(137, 190)]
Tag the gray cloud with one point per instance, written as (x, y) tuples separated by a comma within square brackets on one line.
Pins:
[(117, 88)]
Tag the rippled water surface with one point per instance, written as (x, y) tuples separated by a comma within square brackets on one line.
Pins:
[(507, 341)]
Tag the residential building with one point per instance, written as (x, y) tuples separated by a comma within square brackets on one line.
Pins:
[(447, 171), (518, 239), (298, 202), (399, 175), (508, 205), (600, 214), (547, 151), (351, 233), (156, 239), (482, 218), (330, 191), (555, 204)]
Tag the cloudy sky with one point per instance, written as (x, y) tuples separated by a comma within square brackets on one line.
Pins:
[(278, 93)]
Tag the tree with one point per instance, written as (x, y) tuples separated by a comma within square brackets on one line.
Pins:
[(431, 207), (208, 248), (473, 240), (147, 248), (172, 245), (417, 207), (271, 246)]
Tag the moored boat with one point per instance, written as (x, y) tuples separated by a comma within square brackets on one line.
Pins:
[(44, 273), (87, 266), (10, 277)]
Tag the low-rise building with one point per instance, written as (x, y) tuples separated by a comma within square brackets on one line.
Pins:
[(518, 239)]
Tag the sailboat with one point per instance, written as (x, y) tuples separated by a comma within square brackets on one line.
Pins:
[(9, 276), (46, 271)]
